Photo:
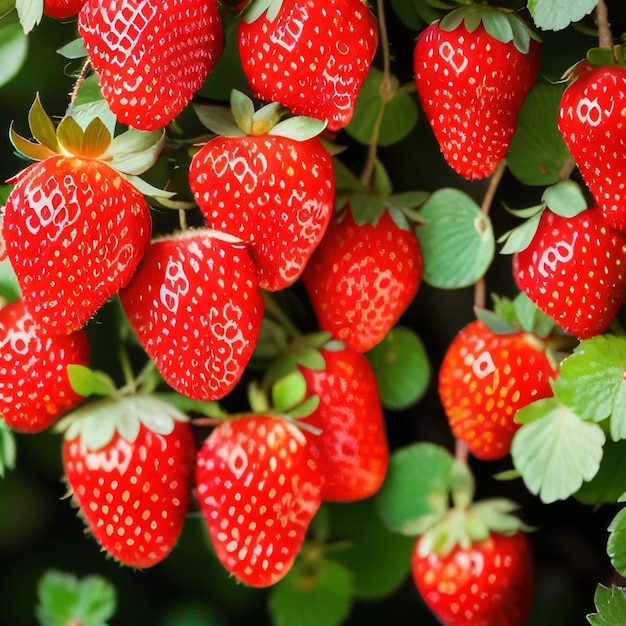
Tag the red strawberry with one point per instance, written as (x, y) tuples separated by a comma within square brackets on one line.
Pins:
[(354, 454), (471, 87), (591, 122), (151, 56), (195, 307), (273, 192), (62, 9), (259, 486), (574, 270), (310, 56), (361, 279), (488, 583), (129, 462), (485, 378), (34, 385), (75, 230)]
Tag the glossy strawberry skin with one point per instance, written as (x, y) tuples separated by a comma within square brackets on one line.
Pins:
[(361, 279), (258, 485), (75, 231), (353, 449), (195, 307), (151, 56), (471, 88), (62, 9), (134, 495), (275, 193), (489, 583), (591, 123), (484, 379), (313, 58), (574, 270), (34, 385)]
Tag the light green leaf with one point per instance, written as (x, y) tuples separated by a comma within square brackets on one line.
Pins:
[(13, 49), (415, 491), (616, 546), (565, 198), (402, 369), (30, 13), (457, 240), (87, 382), (150, 190), (520, 237), (298, 128), (8, 448), (558, 14), (610, 606), (289, 391), (530, 317), (218, 119), (554, 450), (135, 151), (73, 50)]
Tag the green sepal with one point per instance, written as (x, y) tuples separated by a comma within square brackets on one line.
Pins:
[(289, 391), (255, 9), (89, 143), (33, 151), (134, 151), (86, 382), (185, 404), (41, 126), (73, 50)]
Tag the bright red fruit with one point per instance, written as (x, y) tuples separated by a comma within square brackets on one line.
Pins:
[(62, 9), (592, 125), (485, 378), (74, 230), (488, 584), (311, 57), (259, 486), (34, 385), (574, 270), (151, 56), (273, 192), (129, 463), (471, 87), (195, 306), (354, 454), (362, 278)]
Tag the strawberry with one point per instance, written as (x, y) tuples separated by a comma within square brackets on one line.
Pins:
[(62, 9), (574, 270), (259, 486), (194, 305), (352, 444), (362, 278), (74, 230), (310, 56), (34, 385), (151, 56), (592, 127), (486, 583), (485, 378), (471, 87), (129, 462), (273, 191)]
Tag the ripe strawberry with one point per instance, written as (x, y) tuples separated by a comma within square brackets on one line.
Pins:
[(259, 486), (471, 87), (592, 127), (574, 270), (312, 57), (129, 462), (361, 279), (485, 378), (151, 56), (62, 9), (273, 192), (74, 230), (195, 307), (488, 583), (354, 454), (34, 386)]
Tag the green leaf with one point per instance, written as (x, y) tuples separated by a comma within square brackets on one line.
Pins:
[(554, 450), (41, 126), (399, 114), (520, 237), (407, 14), (30, 13), (218, 119), (289, 391), (73, 50), (87, 382), (609, 483), (298, 128), (457, 240), (13, 49), (558, 14), (135, 151), (610, 606), (616, 546), (537, 152), (402, 369), (64, 599), (312, 594), (368, 541), (565, 198), (9, 288), (531, 318), (8, 448), (415, 491), (591, 382)]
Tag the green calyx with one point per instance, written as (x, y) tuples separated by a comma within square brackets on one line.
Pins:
[(256, 8), (502, 24), (607, 56)]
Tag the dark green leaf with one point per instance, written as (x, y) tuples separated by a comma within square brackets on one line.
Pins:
[(407, 14), (8, 448), (9, 289), (610, 606), (609, 483), (616, 546)]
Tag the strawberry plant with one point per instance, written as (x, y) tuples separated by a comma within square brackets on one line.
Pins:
[(313, 312)]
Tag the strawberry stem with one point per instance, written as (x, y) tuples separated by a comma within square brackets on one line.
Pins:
[(275, 310), (79, 81), (601, 18)]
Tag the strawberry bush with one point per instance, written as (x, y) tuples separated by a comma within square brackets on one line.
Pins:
[(311, 312)]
